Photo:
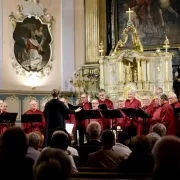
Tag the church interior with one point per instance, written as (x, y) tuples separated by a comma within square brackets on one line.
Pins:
[(90, 89)]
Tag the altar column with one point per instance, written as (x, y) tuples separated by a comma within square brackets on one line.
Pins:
[(1, 44), (143, 74), (120, 73), (139, 73), (92, 30), (101, 66)]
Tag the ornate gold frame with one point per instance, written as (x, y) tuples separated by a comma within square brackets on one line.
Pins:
[(27, 10)]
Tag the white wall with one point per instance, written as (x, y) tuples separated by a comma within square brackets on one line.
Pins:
[(67, 42), (12, 81)]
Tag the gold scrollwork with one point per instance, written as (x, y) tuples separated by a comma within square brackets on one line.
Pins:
[(30, 9)]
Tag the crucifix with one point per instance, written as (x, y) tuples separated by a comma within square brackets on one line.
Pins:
[(129, 12)]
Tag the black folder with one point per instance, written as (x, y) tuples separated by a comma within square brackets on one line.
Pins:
[(103, 107), (111, 113), (88, 114), (72, 107), (177, 112), (31, 118), (8, 117), (129, 112), (142, 114)]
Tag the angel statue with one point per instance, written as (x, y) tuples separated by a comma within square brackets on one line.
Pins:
[(33, 52)]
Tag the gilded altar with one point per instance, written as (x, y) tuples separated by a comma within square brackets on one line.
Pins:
[(140, 71)]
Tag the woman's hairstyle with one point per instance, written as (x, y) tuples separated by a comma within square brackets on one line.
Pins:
[(55, 93)]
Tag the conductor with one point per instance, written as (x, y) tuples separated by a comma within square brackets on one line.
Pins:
[(55, 112)]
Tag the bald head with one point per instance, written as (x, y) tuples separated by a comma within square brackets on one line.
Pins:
[(158, 91), (121, 102), (33, 105), (146, 101)]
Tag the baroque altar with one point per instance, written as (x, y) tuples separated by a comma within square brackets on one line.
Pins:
[(133, 68), (130, 67)]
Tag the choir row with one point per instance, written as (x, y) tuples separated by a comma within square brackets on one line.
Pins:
[(160, 109)]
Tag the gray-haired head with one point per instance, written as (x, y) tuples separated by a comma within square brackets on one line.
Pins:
[(159, 129), (158, 91), (34, 140), (94, 130), (153, 138)]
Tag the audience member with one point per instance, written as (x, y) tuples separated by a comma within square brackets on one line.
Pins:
[(167, 159), (153, 138), (34, 142), (140, 160), (72, 150), (52, 164), (159, 129), (121, 147), (94, 144), (60, 140), (106, 157), (13, 161)]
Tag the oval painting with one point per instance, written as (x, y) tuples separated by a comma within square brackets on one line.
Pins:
[(32, 47)]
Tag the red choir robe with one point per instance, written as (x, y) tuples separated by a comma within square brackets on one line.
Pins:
[(121, 121), (155, 118), (140, 128), (99, 120), (135, 103), (86, 106), (110, 105), (177, 119), (167, 118), (36, 126)]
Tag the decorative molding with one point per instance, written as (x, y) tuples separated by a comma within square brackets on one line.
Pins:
[(22, 62), (14, 105)]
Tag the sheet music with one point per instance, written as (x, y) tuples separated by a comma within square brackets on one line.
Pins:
[(69, 127)]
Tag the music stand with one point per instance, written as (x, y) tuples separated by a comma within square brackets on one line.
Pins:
[(132, 113), (111, 114), (88, 114), (129, 112), (102, 107), (144, 115), (31, 118), (8, 118), (72, 107)]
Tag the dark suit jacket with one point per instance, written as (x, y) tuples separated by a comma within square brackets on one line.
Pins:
[(89, 147)]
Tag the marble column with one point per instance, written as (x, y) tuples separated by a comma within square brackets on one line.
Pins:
[(92, 30), (67, 44), (101, 66)]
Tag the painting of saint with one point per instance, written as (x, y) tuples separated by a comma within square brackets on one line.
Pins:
[(154, 19), (32, 44)]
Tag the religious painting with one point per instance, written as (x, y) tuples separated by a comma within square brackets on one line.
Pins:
[(153, 19), (32, 48), (32, 37)]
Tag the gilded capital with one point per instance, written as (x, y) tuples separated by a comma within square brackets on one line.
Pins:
[(101, 61)]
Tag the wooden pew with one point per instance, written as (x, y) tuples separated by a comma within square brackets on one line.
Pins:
[(108, 175)]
